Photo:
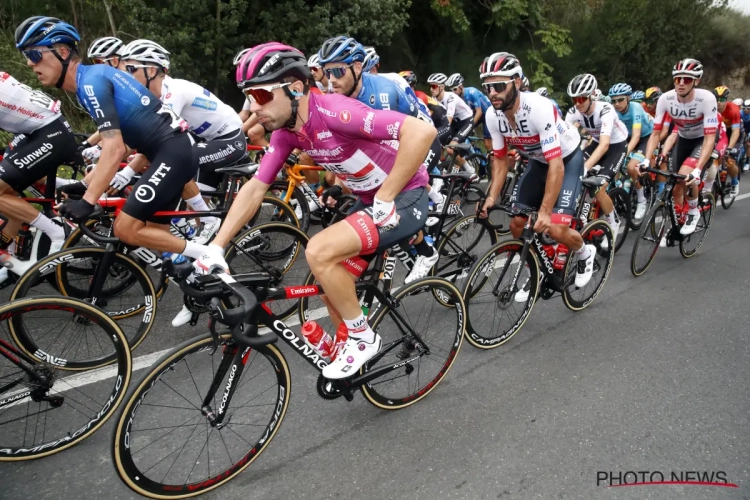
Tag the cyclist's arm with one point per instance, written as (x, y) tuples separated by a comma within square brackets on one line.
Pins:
[(477, 115), (552, 150), (249, 122), (450, 108), (419, 136), (710, 124), (669, 143), (113, 149), (661, 125), (555, 174), (607, 117), (94, 138), (499, 173), (598, 153), (735, 136), (635, 138)]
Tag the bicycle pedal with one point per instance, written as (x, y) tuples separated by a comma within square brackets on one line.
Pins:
[(194, 318)]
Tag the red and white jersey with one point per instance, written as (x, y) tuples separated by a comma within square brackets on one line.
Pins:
[(693, 119), (24, 110), (539, 131), (603, 120)]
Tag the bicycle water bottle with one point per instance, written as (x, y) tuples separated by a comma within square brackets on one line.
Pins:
[(626, 185), (24, 242), (176, 258), (561, 257), (342, 335), (185, 228), (318, 338)]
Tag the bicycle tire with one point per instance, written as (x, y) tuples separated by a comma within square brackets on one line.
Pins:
[(726, 200), (57, 262), (705, 223), (437, 286), (122, 453), (651, 230), (121, 373), (281, 212), (592, 233), (621, 201), (479, 278), (299, 197)]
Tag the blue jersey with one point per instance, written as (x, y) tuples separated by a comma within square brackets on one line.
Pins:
[(635, 114), (379, 92), (745, 117), (116, 101), (476, 99)]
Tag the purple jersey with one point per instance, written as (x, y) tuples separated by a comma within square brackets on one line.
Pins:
[(344, 136)]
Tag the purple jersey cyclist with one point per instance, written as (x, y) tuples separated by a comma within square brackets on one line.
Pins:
[(361, 146)]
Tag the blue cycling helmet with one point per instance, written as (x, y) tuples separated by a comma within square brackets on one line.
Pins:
[(45, 31), (372, 59), (620, 89), (638, 96), (341, 49)]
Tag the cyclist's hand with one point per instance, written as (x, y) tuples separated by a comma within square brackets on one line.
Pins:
[(644, 164), (91, 154), (384, 214), (694, 177), (543, 222), (211, 261), (488, 203), (122, 178), (74, 191), (76, 210), (330, 196)]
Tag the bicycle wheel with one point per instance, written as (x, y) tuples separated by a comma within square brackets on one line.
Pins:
[(496, 311), (594, 233), (132, 307), (689, 245), (273, 248), (60, 405), (653, 229), (164, 446), (649, 192), (274, 210), (415, 323), (726, 200), (298, 202), (460, 247), (621, 201)]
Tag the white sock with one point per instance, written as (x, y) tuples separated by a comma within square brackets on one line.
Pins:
[(435, 196), (60, 182), (583, 253), (708, 186), (611, 219), (693, 206), (194, 250), (198, 204), (641, 197), (43, 223), (360, 329)]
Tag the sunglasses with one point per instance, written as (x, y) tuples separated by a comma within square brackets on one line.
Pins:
[(35, 55), (722, 99), (683, 80), (746, 110), (132, 68), (336, 72), (434, 85), (263, 95), (98, 60), (455, 88), (498, 87), (580, 100), (619, 99)]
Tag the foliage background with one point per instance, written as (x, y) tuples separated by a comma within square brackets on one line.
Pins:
[(637, 41)]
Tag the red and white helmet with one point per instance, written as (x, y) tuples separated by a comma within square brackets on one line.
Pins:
[(688, 67), (500, 64)]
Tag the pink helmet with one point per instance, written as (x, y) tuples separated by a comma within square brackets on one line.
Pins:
[(271, 62)]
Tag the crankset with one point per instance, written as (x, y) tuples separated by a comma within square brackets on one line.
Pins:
[(333, 389)]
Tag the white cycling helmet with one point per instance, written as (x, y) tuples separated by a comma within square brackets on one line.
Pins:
[(239, 55), (525, 84), (454, 80), (314, 61), (688, 67), (146, 51), (582, 86), (746, 104), (542, 91), (372, 59), (437, 79), (737, 101), (500, 64), (105, 47)]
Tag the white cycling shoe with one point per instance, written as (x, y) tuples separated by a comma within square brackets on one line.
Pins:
[(355, 354), (640, 209), (182, 318), (422, 266), (585, 268), (208, 232), (690, 224)]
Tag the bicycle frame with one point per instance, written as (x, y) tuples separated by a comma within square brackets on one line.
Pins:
[(19, 359)]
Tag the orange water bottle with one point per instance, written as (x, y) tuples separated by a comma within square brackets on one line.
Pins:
[(318, 338)]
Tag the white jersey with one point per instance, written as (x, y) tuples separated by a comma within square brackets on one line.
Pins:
[(206, 115), (692, 119), (456, 106), (24, 110), (540, 131), (603, 120)]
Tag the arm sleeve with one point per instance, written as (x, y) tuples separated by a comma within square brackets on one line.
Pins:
[(544, 123), (273, 161), (607, 117), (99, 100), (498, 141), (710, 115), (661, 117)]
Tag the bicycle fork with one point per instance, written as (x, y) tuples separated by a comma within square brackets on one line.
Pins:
[(233, 362)]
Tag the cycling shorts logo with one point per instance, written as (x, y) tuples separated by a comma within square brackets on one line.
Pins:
[(345, 116), (418, 214), (145, 194), (145, 100), (239, 145)]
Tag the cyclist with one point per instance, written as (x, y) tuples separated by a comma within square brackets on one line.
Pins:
[(552, 180), (638, 96), (730, 115), (639, 126), (42, 141), (476, 100), (745, 117), (371, 64), (694, 113), (124, 112), (106, 50), (609, 146), (321, 80), (411, 79), (544, 92), (737, 101), (360, 145), (459, 114), (250, 126), (650, 97), (343, 60)]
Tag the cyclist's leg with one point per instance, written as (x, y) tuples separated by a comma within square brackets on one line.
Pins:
[(528, 193), (694, 147), (682, 151), (565, 207), (610, 163), (159, 188)]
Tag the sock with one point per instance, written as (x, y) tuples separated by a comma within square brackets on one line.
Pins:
[(735, 181), (611, 219), (708, 186), (435, 196), (360, 329), (60, 182), (194, 250), (424, 249), (584, 252), (198, 204), (44, 223), (693, 206), (641, 197)]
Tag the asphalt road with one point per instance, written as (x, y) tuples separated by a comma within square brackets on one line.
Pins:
[(652, 377)]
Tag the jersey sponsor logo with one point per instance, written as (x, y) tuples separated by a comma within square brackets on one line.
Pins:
[(169, 94), (549, 140), (91, 95), (345, 116), (145, 100), (206, 93), (372, 99), (145, 193), (325, 152), (219, 155), (22, 111), (385, 102), (368, 123), (4, 76), (35, 156), (222, 128), (326, 134), (160, 173), (204, 126), (199, 102), (327, 112), (393, 129)]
